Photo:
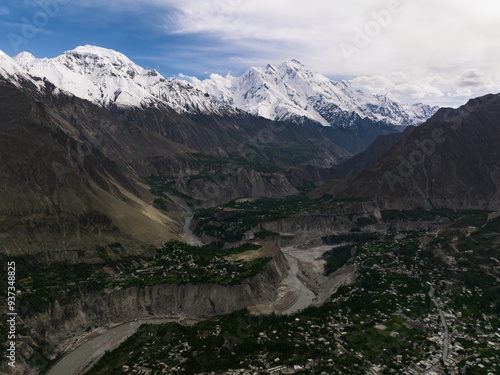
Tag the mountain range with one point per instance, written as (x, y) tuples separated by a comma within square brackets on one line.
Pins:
[(288, 92), (91, 142), (452, 160), (292, 92)]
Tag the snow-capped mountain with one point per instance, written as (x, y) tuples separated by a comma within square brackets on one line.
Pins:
[(286, 92), (108, 78), (290, 91), (12, 73)]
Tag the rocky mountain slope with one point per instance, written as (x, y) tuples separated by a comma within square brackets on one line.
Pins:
[(65, 186), (74, 169), (305, 174), (368, 158), (452, 160)]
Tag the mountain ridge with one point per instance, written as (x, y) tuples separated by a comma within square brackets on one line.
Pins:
[(452, 160), (110, 79), (290, 90)]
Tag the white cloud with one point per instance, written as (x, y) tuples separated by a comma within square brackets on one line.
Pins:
[(461, 93), (377, 84), (190, 79), (451, 39), (416, 90), (431, 89), (380, 84), (399, 85), (473, 79)]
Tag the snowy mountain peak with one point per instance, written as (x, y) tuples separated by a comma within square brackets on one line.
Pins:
[(92, 58), (290, 91), (270, 68), (109, 78), (98, 52), (12, 73), (293, 64), (24, 58)]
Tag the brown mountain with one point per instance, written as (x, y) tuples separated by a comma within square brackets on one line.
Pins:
[(305, 174), (240, 134), (73, 172), (452, 160), (65, 188)]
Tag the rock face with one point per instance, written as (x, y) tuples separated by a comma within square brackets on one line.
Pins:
[(63, 184), (306, 230), (240, 183), (187, 300), (305, 174), (452, 160)]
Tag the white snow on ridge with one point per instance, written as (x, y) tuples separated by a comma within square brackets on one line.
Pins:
[(106, 77), (290, 90), (13, 73)]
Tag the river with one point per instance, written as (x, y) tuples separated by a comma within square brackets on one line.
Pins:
[(190, 237), (93, 349), (305, 296)]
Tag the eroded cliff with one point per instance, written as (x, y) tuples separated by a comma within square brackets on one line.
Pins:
[(60, 326)]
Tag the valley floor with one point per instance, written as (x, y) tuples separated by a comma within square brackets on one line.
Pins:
[(421, 303)]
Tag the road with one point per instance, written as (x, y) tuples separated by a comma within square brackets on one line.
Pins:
[(446, 338)]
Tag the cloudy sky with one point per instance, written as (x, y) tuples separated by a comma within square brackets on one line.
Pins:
[(438, 52)]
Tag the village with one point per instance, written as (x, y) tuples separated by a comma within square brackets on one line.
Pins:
[(406, 313)]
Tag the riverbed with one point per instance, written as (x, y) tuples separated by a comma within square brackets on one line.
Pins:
[(191, 238), (84, 356), (89, 352), (305, 297)]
